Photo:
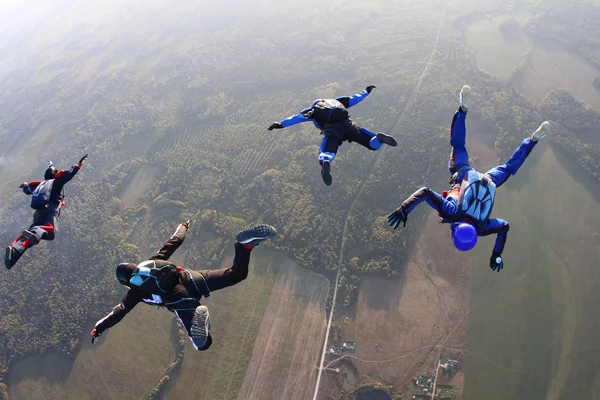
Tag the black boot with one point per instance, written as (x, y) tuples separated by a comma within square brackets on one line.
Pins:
[(326, 172), (11, 256), (387, 139)]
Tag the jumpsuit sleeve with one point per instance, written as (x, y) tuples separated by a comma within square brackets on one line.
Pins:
[(500, 227), (444, 207), (296, 119), (349, 101), (30, 187), (63, 176), (129, 300), (171, 245)]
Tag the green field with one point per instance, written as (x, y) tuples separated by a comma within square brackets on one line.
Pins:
[(529, 331)]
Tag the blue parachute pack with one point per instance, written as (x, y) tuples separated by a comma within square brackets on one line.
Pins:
[(40, 198), (476, 201)]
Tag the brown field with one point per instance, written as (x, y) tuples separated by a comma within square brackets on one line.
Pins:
[(288, 345), (261, 330)]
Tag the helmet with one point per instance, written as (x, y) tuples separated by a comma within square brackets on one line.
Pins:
[(464, 237), (50, 173), (124, 272)]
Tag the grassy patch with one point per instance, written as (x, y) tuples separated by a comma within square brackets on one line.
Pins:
[(522, 320)]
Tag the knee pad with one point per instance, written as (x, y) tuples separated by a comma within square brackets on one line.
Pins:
[(32, 236), (325, 156), (374, 143)]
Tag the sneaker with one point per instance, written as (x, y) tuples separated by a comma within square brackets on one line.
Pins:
[(8, 257), (255, 235), (386, 139), (464, 98), (541, 132), (200, 327), (326, 172)]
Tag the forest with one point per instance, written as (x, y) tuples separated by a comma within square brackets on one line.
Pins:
[(188, 107)]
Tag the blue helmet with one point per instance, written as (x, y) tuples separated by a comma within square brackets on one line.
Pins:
[(464, 237)]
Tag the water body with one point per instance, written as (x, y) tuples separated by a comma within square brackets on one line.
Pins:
[(533, 327)]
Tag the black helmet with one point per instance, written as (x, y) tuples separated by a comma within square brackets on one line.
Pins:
[(124, 271), (50, 173)]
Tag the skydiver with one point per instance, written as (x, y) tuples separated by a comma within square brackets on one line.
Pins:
[(162, 283), (47, 198), (468, 204), (332, 118)]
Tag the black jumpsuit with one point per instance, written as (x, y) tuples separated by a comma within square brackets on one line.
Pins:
[(183, 298)]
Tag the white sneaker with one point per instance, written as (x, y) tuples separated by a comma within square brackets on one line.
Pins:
[(464, 98), (541, 132), (200, 327)]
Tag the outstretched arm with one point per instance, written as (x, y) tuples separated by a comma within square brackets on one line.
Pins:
[(499, 227), (29, 188), (171, 245), (129, 300), (63, 177), (349, 101), (296, 119), (445, 207)]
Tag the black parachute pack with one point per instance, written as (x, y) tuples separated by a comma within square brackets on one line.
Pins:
[(328, 111), (155, 277), (40, 198)]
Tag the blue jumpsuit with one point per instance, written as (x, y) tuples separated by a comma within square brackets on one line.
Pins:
[(447, 205), (337, 132)]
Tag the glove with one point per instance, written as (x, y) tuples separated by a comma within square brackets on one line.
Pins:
[(22, 185), (275, 125), (400, 215), (95, 335), (496, 263), (370, 87), (83, 159)]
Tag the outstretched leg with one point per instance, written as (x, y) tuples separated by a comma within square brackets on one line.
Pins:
[(42, 228), (459, 157), (501, 173), (197, 324), (246, 240), (369, 139), (327, 152), (329, 148)]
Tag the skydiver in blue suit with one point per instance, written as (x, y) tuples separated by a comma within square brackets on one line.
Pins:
[(468, 205), (332, 118)]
